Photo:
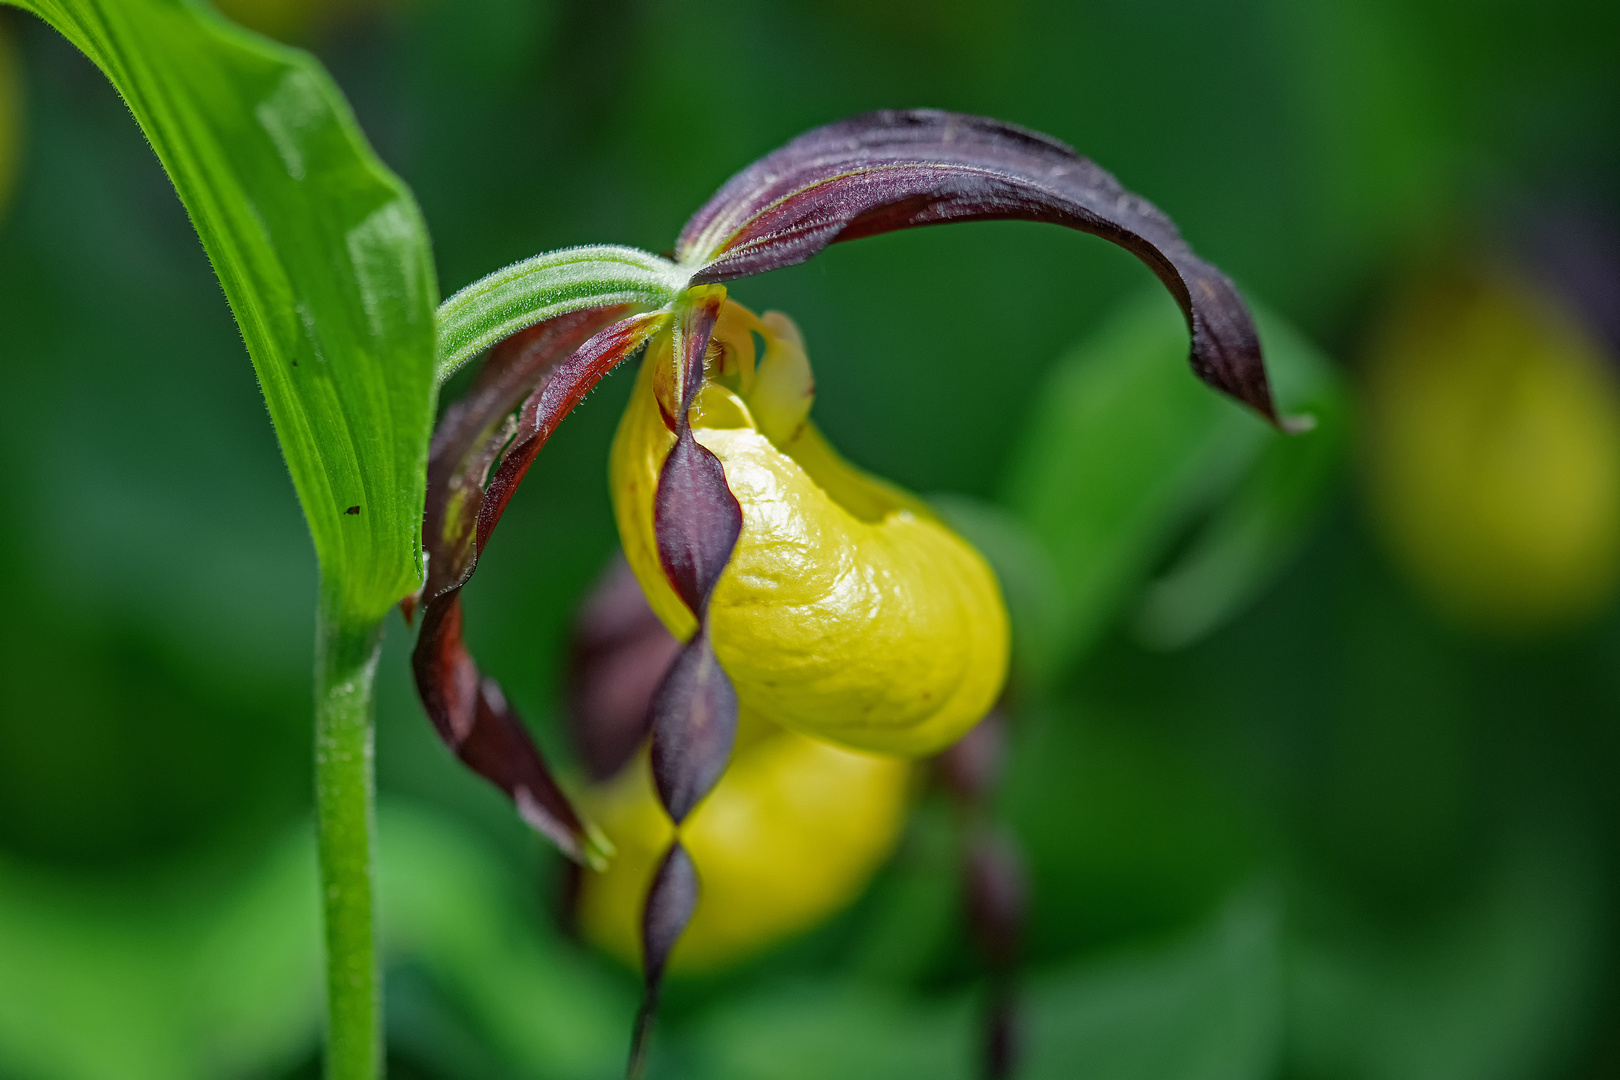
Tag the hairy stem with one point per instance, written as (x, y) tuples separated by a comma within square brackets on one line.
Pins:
[(345, 797)]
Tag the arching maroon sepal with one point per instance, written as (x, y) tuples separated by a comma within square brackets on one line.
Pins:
[(902, 169)]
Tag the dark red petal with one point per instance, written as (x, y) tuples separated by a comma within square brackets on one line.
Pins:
[(696, 520), (694, 724), (563, 387), (472, 717), (476, 428), (892, 170), (692, 333), (997, 893), (671, 901), (467, 709)]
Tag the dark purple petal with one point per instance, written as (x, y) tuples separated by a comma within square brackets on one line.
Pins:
[(671, 900), (562, 388), (472, 717), (696, 520), (993, 880), (694, 723), (892, 170), (692, 333), (693, 717), (467, 709), (476, 428), (618, 657)]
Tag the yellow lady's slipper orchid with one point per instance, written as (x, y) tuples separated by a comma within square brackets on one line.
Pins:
[(848, 611), (806, 594), (1493, 439), (791, 833)]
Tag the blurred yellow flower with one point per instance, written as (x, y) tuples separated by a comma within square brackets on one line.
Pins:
[(790, 834), (848, 610), (1493, 452)]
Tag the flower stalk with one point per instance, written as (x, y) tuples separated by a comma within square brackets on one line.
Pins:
[(345, 801)]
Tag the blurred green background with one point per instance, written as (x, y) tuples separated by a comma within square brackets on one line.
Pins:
[(1340, 831)]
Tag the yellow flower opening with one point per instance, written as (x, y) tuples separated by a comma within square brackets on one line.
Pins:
[(848, 611)]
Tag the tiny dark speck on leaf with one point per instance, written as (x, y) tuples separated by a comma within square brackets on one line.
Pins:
[(352, 510), (295, 363)]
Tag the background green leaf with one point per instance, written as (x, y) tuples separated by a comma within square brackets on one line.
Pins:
[(323, 256), (1124, 447), (1254, 533), (1124, 451), (1208, 1007)]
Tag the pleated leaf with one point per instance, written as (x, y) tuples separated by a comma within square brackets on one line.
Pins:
[(324, 260)]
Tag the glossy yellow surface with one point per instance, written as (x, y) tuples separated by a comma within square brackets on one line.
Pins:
[(791, 834), (1493, 452), (848, 610)]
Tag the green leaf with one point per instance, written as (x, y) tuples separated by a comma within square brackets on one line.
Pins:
[(1500, 988), (166, 981), (1125, 447), (1208, 1007), (187, 977), (1126, 451), (453, 910), (850, 1030), (1262, 525), (546, 286), (324, 259)]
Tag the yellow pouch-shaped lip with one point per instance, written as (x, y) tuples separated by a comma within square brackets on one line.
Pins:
[(848, 610), (791, 834)]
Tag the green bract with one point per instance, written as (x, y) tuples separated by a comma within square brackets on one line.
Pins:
[(541, 288)]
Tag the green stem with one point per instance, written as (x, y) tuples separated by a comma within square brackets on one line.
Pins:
[(345, 797)]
